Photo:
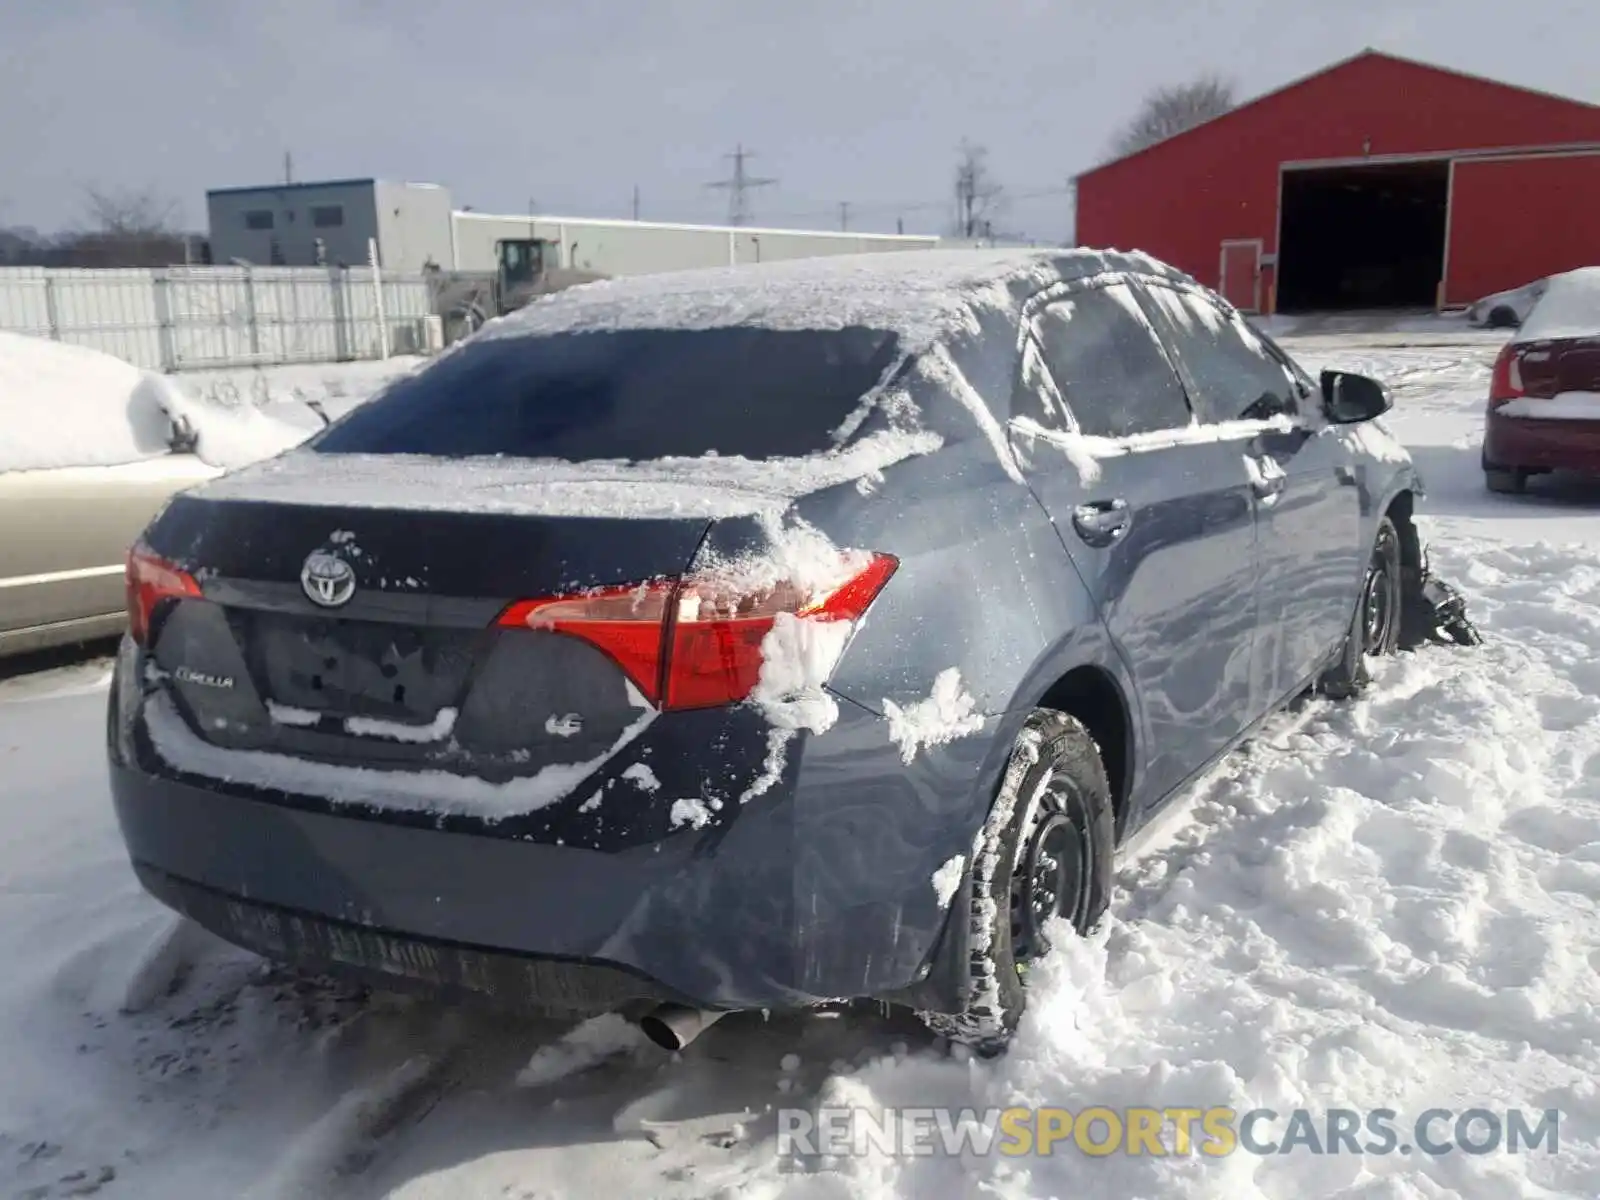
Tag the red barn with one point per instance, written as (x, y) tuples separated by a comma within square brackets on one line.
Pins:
[(1377, 182)]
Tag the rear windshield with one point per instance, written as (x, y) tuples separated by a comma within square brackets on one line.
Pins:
[(630, 394)]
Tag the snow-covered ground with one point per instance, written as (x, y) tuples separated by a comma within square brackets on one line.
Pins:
[(1389, 904)]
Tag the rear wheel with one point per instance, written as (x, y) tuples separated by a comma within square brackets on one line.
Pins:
[(1375, 626), (1046, 851), (1505, 480)]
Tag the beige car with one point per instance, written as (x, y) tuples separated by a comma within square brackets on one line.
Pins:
[(89, 450), (64, 538)]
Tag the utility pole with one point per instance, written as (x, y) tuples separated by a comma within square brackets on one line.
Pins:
[(636, 202), (288, 168), (738, 187), (844, 215)]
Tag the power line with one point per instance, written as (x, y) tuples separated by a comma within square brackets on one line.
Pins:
[(882, 208), (738, 187)]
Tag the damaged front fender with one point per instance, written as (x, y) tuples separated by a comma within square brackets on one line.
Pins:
[(1434, 612)]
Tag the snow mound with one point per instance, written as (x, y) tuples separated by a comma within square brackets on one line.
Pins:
[(1569, 308), (69, 406)]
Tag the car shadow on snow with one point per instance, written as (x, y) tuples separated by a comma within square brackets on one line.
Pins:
[(1452, 477), (390, 1088), (676, 1116), (55, 666)]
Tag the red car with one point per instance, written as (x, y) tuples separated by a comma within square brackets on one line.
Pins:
[(1544, 397)]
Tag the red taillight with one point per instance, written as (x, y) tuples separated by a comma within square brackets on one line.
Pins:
[(150, 581), (696, 642), (1506, 381)]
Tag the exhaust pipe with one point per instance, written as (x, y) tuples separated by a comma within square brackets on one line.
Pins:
[(674, 1026)]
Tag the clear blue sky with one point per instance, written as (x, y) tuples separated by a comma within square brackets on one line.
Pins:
[(573, 104)]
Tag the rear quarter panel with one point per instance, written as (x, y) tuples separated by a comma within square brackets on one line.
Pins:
[(984, 584), (64, 534)]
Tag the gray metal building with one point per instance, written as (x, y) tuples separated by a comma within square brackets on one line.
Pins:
[(281, 224)]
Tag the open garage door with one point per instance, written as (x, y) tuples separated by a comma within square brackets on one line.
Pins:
[(1362, 237), (1517, 218)]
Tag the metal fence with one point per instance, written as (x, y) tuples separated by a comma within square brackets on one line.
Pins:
[(182, 318)]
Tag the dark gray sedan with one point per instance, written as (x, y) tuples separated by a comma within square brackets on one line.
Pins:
[(752, 638)]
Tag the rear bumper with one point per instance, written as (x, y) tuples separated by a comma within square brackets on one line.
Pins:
[(818, 890), (1531, 443)]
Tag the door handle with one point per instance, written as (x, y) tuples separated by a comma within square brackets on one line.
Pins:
[(1102, 522)]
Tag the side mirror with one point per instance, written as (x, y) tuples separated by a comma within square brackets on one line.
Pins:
[(1349, 399)]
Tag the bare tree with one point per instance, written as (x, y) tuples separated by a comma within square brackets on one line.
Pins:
[(1168, 111), (978, 196), (128, 228), (129, 213)]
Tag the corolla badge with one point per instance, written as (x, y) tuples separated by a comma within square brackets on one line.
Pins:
[(328, 580)]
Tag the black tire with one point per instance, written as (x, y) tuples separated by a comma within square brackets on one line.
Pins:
[(1054, 804), (1375, 624), (1505, 480)]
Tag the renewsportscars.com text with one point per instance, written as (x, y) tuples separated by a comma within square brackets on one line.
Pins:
[(806, 1135)]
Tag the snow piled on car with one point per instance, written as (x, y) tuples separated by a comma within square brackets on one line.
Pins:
[(64, 406), (69, 406), (1569, 308), (921, 295), (713, 486)]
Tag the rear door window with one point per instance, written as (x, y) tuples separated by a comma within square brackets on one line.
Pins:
[(1233, 374), (1108, 366), (627, 394)]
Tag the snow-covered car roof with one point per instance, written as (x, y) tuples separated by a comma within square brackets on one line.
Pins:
[(63, 405), (919, 294), (1569, 308)]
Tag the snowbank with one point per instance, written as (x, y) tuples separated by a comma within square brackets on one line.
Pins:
[(1569, 308)]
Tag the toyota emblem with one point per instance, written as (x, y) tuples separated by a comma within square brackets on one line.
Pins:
[(328, 580)]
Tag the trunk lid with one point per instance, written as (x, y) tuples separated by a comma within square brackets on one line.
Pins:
[(408, 668), (1562, 365)]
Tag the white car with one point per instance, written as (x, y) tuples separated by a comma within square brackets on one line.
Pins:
[(1508, 309)]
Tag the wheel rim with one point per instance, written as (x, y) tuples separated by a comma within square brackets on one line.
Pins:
[(1379, 610), (1052, 877)]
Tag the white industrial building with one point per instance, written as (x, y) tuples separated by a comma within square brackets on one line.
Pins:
[(311, 224), (648, 247), (416, 225)]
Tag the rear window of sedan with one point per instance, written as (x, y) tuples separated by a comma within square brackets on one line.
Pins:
[(627, 394)]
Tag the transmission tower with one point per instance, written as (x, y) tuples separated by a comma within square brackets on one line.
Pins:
[(738, 187)]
